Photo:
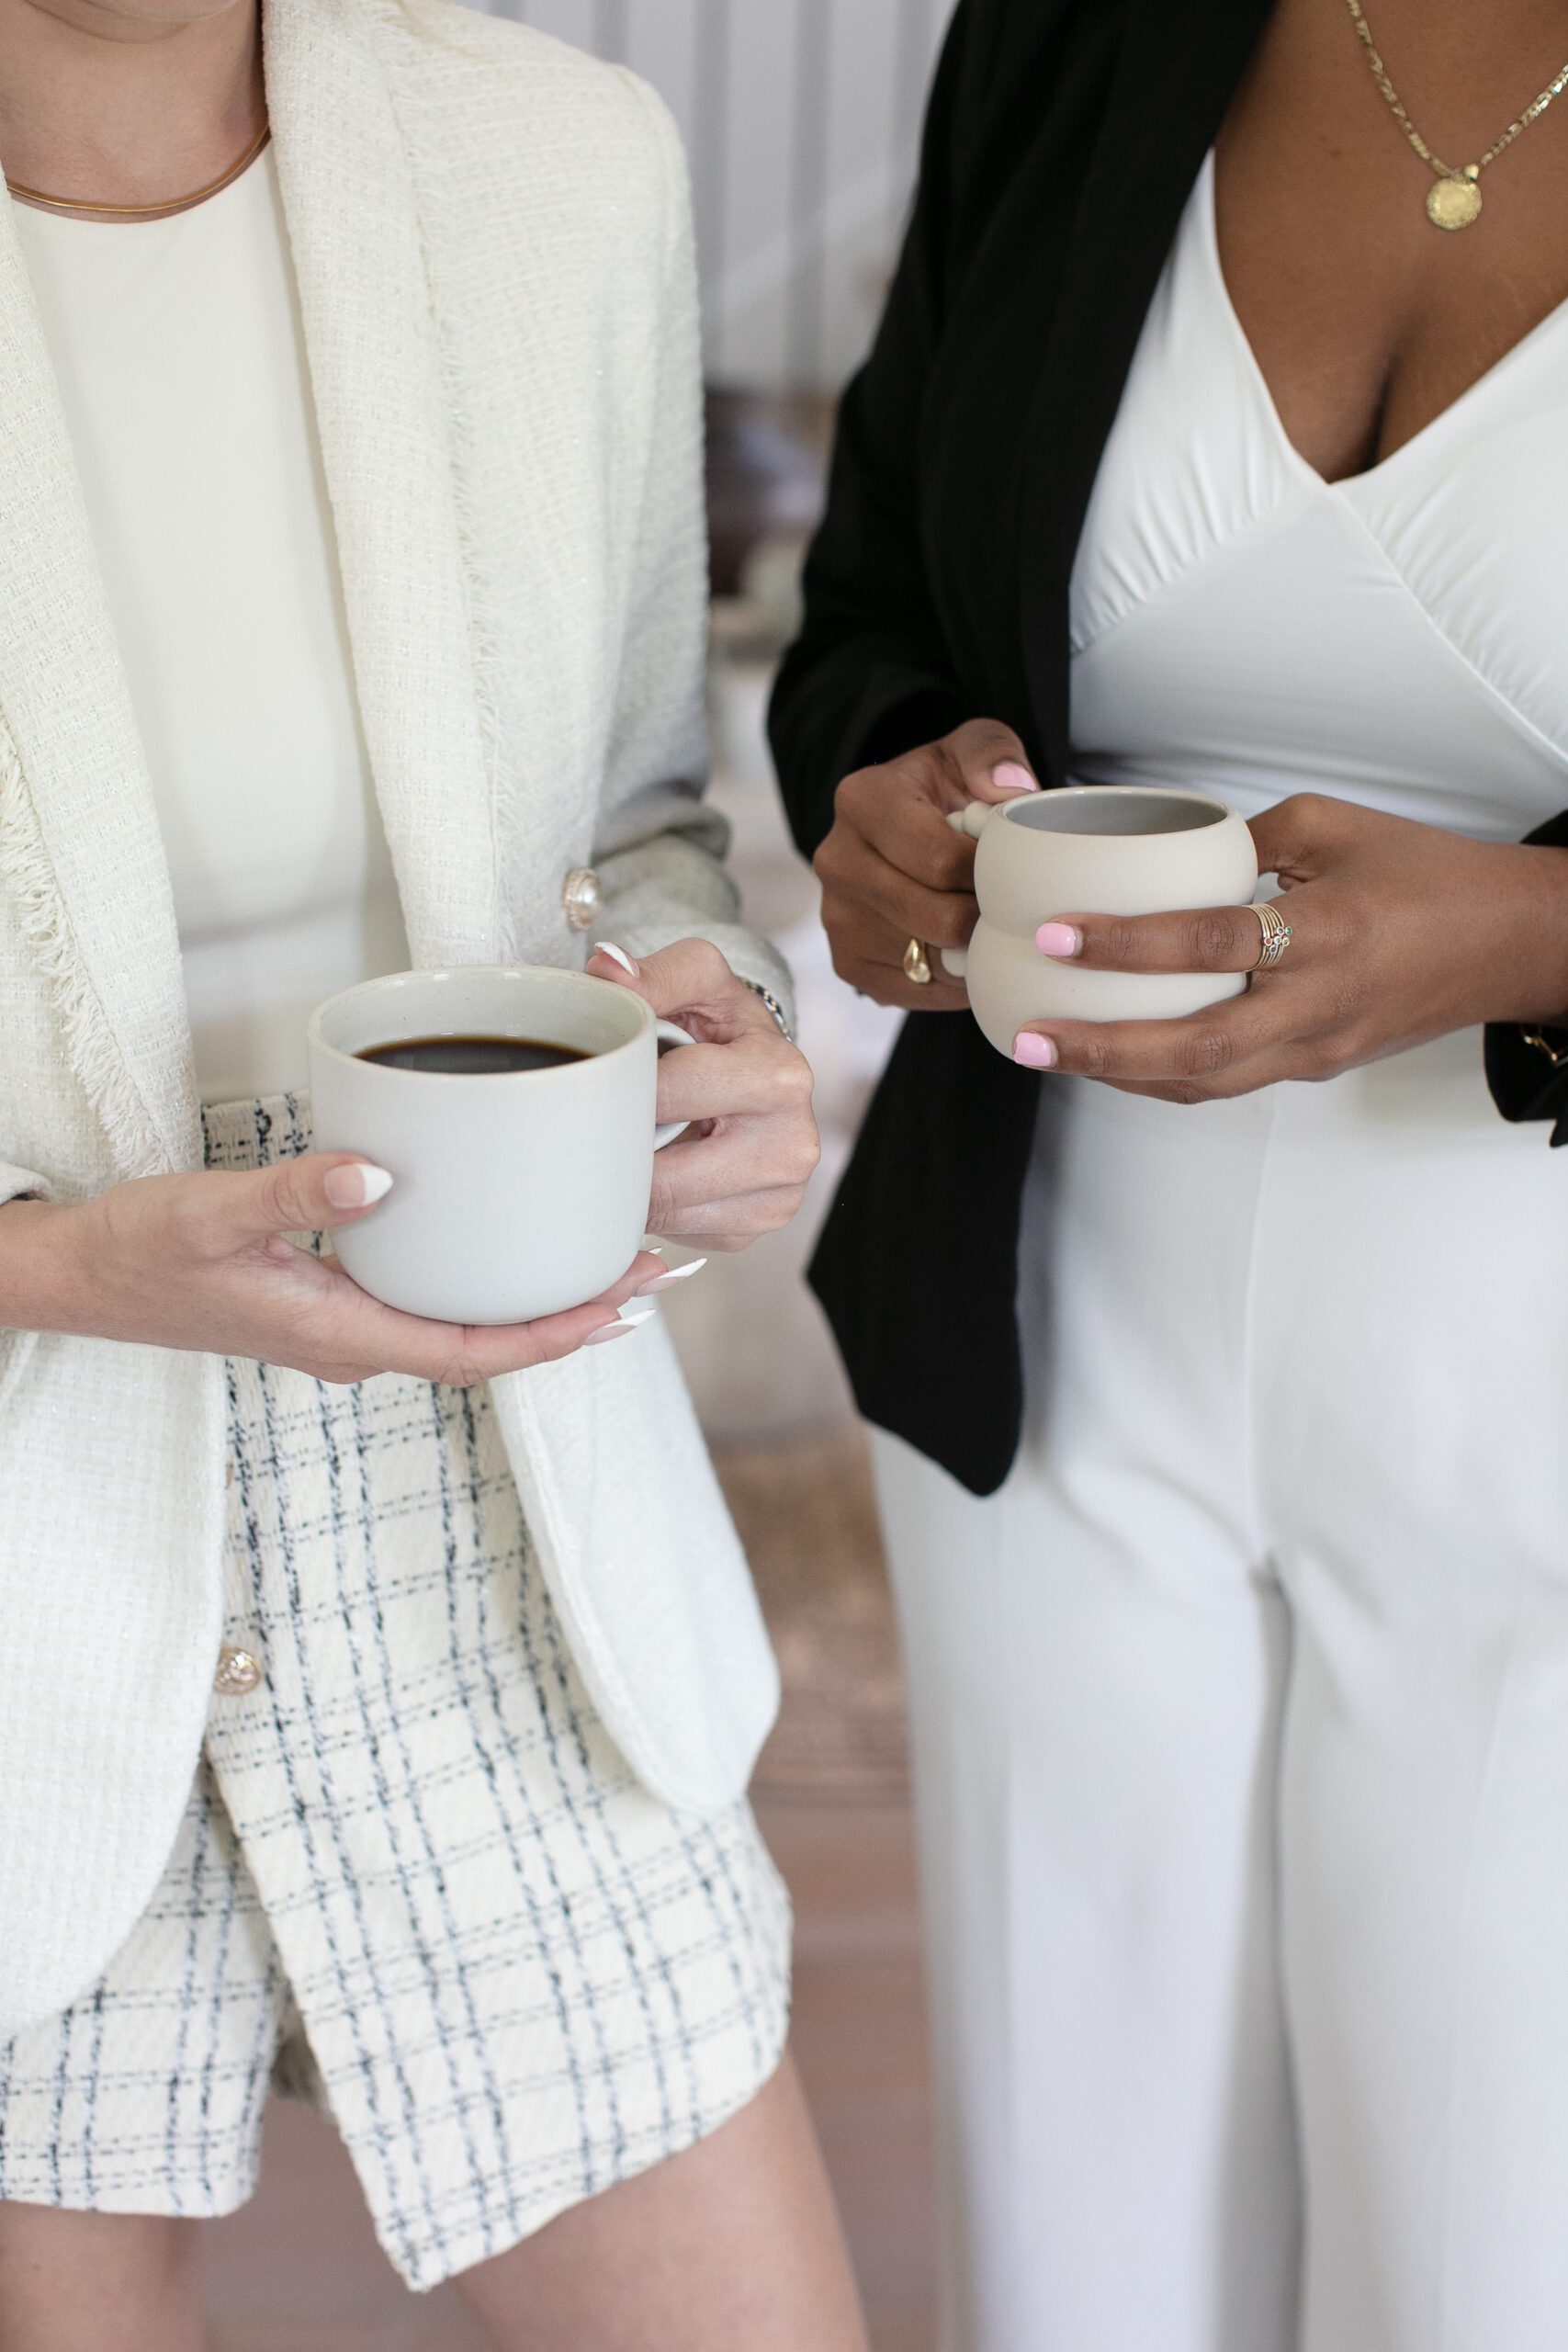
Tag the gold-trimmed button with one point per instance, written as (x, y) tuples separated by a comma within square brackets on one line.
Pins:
[(239, 1673), (582, 898)]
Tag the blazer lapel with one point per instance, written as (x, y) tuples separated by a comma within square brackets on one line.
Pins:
[(96, 881), (1180, 63), (383, 413)]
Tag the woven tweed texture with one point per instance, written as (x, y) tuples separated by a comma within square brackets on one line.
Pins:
[(414, 1875), (491, 242)]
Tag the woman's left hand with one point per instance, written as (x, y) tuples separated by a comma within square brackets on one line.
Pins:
[(1401, 932), (743, 1168)]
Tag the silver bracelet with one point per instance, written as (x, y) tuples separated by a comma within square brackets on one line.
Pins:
[(774, 1007)]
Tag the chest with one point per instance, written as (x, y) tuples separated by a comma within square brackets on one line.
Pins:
[(1368, 321)]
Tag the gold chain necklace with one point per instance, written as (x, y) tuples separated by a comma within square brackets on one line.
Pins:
[(1453, 200), (144, 212)]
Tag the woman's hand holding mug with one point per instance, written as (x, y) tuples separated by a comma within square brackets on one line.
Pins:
[(742, 1091), (892, 869), (1400, 933), (204, 1262)]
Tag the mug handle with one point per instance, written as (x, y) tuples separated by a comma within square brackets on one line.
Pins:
[(668, 1034), (971, 820)]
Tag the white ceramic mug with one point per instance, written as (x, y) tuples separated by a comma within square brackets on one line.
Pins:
[(1093, 849), (516, 1194)]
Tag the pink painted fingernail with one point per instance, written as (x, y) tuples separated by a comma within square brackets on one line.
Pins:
[(668, 1281), (1011, 777), (1033, 1052), (616, 955), (358, 1186), (618, 1329), (1058, 939)]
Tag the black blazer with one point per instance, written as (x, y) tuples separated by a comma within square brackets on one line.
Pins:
[(1063, 141)]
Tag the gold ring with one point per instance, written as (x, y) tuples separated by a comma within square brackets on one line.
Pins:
[(917, 965), (1277, 936)]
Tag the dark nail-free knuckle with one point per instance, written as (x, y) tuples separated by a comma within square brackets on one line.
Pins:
[(851, 794), (1114, 940), (1207, 1052), (1185, 1091), (1331, 1057), (953, 922), (1093, 1056), (848, 961), (945, 865), (986, 739), (1214, 940)]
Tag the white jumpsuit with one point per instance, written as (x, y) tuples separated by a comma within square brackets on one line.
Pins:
[(1241, 1713)]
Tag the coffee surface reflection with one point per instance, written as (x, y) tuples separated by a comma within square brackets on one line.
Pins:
[(471, 1057)]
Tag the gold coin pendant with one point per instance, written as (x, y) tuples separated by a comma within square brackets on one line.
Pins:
[(1453, 203)]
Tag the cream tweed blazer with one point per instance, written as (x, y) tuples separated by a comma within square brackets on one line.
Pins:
[(492, 242)]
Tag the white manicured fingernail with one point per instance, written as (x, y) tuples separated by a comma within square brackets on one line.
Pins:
[(617, 1330), (616, 955), (359, 1186), (668, 1281)]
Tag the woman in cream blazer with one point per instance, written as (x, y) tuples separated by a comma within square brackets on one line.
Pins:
[(490, 247)]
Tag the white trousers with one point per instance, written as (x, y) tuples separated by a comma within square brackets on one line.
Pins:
[(1241, 1730)]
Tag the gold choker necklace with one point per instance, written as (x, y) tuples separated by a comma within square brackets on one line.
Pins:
[(71, 204), (1453, 200)]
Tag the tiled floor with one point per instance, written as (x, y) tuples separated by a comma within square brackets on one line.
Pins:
[(299, 2271)]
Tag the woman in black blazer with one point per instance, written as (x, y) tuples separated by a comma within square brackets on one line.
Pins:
[(1237, 1611)]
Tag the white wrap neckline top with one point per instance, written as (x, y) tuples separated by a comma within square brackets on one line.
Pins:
[(179, 356), (1399, 639)]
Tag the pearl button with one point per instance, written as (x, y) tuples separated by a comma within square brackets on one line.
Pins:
[(582, 898), (238, 1674)]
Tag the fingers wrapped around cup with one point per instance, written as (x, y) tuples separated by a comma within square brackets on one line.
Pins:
[(1287, 1026), (1202, 939)]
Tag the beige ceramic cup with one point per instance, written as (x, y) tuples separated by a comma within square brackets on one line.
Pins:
[(1094, 848), (514, 1194)]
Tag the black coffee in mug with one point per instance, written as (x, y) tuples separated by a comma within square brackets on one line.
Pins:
[(471, 1057)]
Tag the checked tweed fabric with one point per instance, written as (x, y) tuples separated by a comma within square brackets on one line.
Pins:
[(415, 1881)]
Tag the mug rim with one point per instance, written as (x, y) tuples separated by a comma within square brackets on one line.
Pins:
[(1189, 792), (559, 1071)]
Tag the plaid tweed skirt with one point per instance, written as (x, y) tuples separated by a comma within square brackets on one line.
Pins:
[(415, 1883)]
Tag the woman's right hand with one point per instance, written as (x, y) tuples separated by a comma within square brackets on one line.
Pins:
[(893, 869), (203, 1262)]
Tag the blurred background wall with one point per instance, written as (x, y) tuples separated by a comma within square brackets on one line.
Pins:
[(802, 118)]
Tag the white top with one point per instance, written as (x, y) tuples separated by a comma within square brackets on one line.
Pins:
[(1400, 638), (179, 356)]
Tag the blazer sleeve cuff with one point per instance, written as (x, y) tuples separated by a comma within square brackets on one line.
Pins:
[(751, 958), (1526, 1067), (23, 1184)]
